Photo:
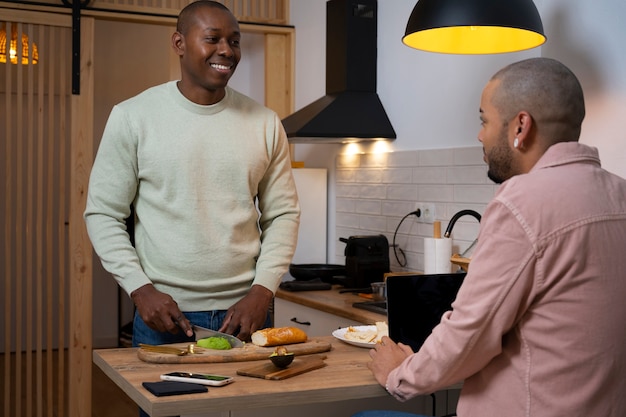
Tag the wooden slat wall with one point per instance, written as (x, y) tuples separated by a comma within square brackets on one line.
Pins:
[(35, 145), (253, 11)]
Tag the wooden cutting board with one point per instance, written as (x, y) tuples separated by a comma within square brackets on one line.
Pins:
[(269, 371), (249, 352)]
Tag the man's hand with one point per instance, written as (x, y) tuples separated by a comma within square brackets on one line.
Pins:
[(159, 311), (387, 356), (248, 314)]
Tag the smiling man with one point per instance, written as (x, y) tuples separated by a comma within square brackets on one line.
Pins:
[(195, 159)]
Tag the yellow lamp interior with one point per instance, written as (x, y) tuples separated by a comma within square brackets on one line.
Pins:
[(474, 40)]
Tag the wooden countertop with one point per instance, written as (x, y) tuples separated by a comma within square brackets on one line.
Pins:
[(345, 376), (331, 301)]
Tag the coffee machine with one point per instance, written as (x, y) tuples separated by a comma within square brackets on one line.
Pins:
[(367, 260)]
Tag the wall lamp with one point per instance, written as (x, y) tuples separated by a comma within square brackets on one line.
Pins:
[(10, 47), (474, 26)]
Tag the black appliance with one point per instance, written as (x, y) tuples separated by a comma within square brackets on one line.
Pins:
[(367, 260), (351, 109)]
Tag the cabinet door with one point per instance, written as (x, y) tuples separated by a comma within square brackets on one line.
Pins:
[(313, 322)]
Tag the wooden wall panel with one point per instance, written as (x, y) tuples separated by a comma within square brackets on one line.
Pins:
[(35, 141)]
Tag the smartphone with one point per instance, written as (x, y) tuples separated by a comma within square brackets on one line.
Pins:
[(198, 378)]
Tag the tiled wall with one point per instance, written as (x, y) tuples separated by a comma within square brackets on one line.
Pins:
[(375, 191)]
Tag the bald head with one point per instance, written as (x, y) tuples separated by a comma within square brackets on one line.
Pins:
[(548, 91), (186, 16)]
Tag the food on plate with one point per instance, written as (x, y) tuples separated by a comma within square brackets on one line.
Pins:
[(273, 336), (214, 342), (369, 335), (281, 357)]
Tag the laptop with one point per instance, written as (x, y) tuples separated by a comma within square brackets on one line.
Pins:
[(415, 304)]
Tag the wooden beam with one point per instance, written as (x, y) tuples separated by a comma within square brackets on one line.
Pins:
[(81, 269)]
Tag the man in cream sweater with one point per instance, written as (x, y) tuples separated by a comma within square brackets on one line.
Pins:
[(208, 173)]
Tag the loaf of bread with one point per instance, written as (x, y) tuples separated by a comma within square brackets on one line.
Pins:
[(274, 336)]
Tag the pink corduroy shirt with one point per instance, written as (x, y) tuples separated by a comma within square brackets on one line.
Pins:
[(538, 328)]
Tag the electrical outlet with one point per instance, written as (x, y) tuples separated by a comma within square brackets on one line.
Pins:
[(427, 212)]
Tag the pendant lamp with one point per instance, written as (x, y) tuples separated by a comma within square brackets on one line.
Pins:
[(9, 47), (474, 26)]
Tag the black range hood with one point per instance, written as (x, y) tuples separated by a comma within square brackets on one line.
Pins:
[(351, 111)]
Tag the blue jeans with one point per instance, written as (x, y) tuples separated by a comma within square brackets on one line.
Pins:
[(385, 413), (143, 334)]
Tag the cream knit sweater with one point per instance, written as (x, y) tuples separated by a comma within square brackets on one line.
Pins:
[(193, 174)]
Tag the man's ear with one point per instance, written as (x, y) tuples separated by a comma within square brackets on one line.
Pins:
[(523, 126), (178, 43)]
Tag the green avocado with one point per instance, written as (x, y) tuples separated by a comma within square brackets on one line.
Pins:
[(214, 342)]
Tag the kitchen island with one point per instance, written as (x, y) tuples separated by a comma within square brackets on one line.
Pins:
[(345, 385)]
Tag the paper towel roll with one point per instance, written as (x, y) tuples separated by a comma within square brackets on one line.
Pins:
[(437, 253)]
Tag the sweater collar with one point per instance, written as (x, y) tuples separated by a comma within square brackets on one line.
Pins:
[(189, 105)]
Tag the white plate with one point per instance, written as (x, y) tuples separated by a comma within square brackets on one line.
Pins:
[(339, 334)]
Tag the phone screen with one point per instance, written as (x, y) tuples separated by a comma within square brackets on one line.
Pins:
[(199, 376)]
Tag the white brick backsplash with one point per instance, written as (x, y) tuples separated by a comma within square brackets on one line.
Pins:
[(352, 190), (402, 192), (436, 157), (374, 160), (377, 224), (397, 208), (473, 193), (347, 220), (403, 159), (435, 193), (369, 176), (375, 191), (348, 160), (345, 205), (430, 175), (467, 175), (469, 156), (367, 206), (398, 176), (345, 175)]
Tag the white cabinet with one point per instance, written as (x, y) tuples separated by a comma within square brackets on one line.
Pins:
[(318, 323)]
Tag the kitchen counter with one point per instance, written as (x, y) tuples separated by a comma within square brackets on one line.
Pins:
[(332, 302), (345, 377)]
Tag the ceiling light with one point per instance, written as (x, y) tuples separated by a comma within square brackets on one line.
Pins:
[(11, 54), (474, 26)]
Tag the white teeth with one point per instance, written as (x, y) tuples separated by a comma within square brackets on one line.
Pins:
[(221, 67)]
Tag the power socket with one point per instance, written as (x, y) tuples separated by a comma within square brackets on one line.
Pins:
[(427, 211)]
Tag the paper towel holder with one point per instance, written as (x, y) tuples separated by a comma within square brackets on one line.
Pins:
[(457, 216)]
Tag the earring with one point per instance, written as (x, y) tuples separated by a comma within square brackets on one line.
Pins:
[(516, 143)]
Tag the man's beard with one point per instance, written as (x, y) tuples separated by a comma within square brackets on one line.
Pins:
[(500, 161)]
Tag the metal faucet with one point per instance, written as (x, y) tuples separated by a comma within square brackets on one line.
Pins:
[(456, 217)]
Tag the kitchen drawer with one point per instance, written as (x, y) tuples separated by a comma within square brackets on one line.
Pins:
[(319, 322)]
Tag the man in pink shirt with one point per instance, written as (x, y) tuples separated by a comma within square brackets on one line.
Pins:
[(538, 327)]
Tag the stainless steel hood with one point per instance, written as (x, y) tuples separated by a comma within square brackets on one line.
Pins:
[(351, 111)]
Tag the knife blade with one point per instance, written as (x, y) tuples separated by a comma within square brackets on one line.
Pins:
[(202, 333)]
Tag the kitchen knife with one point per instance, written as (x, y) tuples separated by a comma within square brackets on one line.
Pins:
[(202, 333)]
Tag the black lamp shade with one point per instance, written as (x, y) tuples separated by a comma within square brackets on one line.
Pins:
[(474, 26)]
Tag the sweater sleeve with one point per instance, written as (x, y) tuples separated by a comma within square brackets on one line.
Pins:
[(491, 300), (112, 188), (280, 211)]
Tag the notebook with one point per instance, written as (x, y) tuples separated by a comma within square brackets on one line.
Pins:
[(415, 304)]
